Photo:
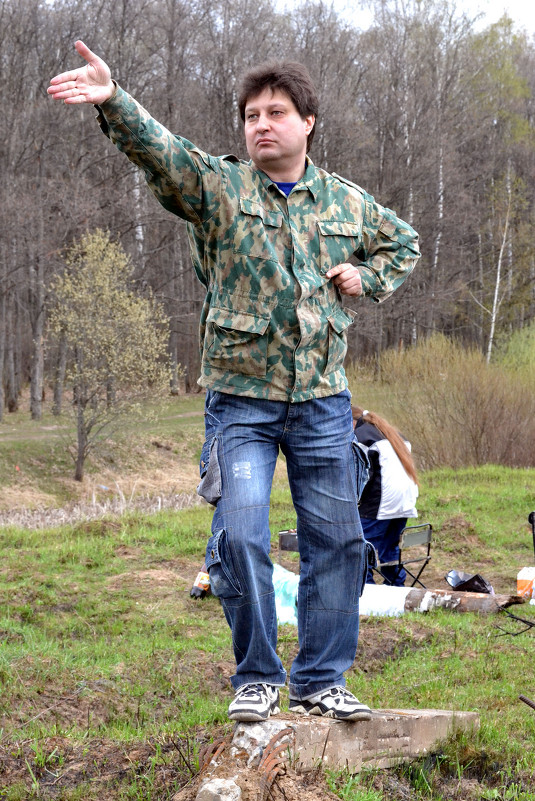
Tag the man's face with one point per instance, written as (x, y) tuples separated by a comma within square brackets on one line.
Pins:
[(276, 134)]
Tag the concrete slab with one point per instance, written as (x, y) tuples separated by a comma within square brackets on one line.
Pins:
[(390, 737)]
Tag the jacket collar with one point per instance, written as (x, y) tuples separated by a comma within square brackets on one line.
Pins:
[(310, 179)]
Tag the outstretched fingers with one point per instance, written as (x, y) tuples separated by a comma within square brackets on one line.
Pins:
[(88, 84), (65, 87), (65, 77)]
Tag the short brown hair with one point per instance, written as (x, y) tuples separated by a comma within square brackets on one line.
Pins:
[(290, 77)]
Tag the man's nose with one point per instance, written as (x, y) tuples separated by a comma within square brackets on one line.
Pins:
[(262, 123)]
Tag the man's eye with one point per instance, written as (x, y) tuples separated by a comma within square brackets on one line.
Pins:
[(252, 117)]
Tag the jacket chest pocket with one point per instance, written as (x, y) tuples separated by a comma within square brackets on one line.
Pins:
[(338, 242), (236, 341), (257, 231)]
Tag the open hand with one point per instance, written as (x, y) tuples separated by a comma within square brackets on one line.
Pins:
[(89, 84), (347, 278)]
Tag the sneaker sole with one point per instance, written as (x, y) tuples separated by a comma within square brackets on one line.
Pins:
[(250, 716), (359, 714)]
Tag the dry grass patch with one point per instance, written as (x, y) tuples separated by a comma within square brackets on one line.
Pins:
[(23, 495)]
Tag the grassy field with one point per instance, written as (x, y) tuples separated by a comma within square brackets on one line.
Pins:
[(112, 677), (156, 454)]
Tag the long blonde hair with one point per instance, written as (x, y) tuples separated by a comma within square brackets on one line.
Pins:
[(392, 435)]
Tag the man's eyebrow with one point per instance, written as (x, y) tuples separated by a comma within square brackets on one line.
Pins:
[(272, 104)]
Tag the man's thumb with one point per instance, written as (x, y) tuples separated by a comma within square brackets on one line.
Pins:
[(84, 51)]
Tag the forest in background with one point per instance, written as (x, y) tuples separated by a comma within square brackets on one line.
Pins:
[(432, 116)]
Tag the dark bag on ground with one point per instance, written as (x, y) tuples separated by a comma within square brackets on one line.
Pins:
[(466, 582)]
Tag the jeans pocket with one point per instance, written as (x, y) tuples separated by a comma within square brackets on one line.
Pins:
[(209, 486), (223, 580), (362, 465)]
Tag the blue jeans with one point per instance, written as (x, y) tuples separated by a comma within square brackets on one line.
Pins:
[(326, 471), (384, 535)]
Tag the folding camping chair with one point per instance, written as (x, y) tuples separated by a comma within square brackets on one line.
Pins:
[(287, 541), (414, 550)]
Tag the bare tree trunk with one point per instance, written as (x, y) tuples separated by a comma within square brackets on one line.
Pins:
[(173, 352), (434, 277), (81, 433), (138, 195), (496, 301), (12, 377), (480, 275), (80, 399), (407, 141), (59, 377), (37, 368), (3, 328), (111, 392), (3, 308), (37, 285)]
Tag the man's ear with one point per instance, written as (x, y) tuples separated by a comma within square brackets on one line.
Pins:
[(309, 123)]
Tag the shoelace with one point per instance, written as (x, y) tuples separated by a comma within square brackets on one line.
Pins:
[(342, 691), (253, 689)]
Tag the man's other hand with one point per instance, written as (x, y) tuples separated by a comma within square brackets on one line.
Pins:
[(347, 278), (89, 84)]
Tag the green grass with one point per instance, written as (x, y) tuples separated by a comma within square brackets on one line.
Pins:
[(465, 663), (111, 676), (100, 641), (480, 520)]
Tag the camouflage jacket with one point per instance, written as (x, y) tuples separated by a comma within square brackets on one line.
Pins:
[(272, 326)]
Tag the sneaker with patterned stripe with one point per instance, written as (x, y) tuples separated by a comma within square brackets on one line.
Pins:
[(254, 702), (336, 702)]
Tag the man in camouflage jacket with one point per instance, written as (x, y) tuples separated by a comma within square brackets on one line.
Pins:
[(271, 239)]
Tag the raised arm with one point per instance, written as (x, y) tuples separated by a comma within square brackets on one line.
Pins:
[(91, 83)]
